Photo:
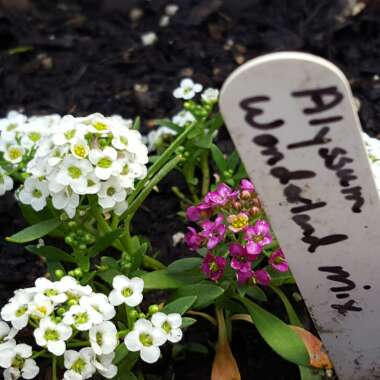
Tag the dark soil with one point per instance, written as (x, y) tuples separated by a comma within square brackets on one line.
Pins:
[(86, 56)]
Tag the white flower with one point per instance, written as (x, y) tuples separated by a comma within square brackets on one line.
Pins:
[(146, 339), (6, 182), (34, 193), (6, 333), (17, 310), (52, 335), (103, 338), (111, 192), (79, 148), (182, 118), (67, 130), (9, 127), (65, 200), (79, 364), (100, 304), (81, 317), (170, 324), (16, 360), (14, 154), (158, 137), (119, 208), (125, 290), (104, 366), (187, 89), (97, 123), (70, 284), (73, 172), (50, 289), (210, 95), (41, 306), (106, 162)]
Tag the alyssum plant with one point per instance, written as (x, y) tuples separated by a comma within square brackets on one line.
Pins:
[(81, 180)]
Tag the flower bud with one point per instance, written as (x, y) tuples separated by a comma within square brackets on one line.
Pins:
[(78, 272), (254, 211), (61, 311), (141, 315), (153, 309), (72, 302), (245, 194), (236, 205), (72, 224), (257, 203), (59, 273), (82, 247)]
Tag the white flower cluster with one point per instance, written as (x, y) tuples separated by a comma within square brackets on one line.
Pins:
[(69, 157), (372, 146), (64, 313), (187, 90)]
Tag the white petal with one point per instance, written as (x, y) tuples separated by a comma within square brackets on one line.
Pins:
[(24, 350), (150, 354), (134, 300), (70, 357), (158, 319), (30, 369), (6, 357), (120, 282), (56, 347), (132, 341), (175, 335), (175, 320), (115, 298), (159, 337)]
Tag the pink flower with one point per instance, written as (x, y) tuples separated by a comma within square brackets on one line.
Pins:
[(240, 256), (262, 277), (238, 222), (278, 261), (213, 266), (244, 274), (201, 211), (247, 185), (192, 239), (221, 196), (258, 236), (213, 231)]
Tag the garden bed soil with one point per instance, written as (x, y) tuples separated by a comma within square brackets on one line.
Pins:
[(87, 56)]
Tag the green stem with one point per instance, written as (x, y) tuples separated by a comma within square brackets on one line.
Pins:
[(205, 173), (168, 167), (123, 333), (103, 227), (37, 354), (79, 344), (156, 166), (150, 262), (181, 195), (54, 368)]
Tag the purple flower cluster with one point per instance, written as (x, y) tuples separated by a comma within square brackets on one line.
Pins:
[(235, 233)]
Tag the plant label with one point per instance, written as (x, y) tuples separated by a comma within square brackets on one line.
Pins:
[(294, 123)]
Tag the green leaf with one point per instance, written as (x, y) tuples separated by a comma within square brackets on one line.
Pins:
[(278, 335), (187, 322), (256, 293), (138, 256), (218, 157), (204, 141), (183, 265), (137, 123), (293, 317), (169, 124), (280, 278), (162, 279), (34, 232), (205, 293), (180, 305), (104, 242), (108, 275), (51, 253), (20, 50)]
